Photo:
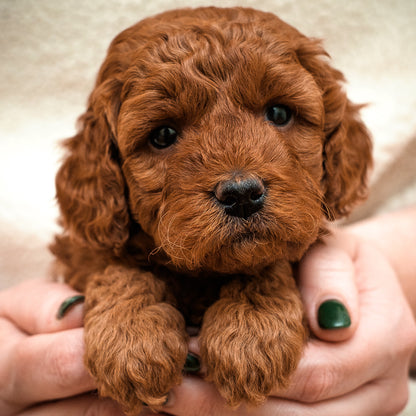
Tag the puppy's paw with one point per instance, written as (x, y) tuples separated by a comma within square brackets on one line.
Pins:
[(249, 351), (138, 360)]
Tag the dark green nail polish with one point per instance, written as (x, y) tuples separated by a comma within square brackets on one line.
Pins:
[(332, 314), (67, 304), (192, 364), (167, 399)]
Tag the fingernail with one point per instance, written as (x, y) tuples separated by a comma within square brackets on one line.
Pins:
[(332, 314), (69, 303), (192, 364), (167, 400)]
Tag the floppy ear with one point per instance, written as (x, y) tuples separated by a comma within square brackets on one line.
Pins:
[(90, 185), (347, 147)]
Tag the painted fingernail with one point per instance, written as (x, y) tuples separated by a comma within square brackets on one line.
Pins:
[(192, 364), (332, 314), (69, 303), (168, 399)]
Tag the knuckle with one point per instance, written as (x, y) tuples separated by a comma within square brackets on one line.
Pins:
[(65, 365), (317, 385), (11, 384)]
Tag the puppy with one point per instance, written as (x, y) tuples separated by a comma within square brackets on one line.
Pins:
[(216, 145)]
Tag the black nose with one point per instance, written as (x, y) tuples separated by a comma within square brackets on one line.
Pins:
[(241, 198)]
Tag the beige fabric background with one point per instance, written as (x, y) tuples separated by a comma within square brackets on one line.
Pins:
[(50, 52)]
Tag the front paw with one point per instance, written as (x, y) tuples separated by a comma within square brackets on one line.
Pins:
[(137, 361), (249, 351)]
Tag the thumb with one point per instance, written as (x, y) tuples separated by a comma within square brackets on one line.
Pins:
[(328, 288)]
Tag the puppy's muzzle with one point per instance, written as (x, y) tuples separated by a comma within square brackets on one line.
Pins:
[(241, 197)]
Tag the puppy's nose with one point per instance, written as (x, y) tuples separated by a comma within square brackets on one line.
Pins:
[(241, 198)]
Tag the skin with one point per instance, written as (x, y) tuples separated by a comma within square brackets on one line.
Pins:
[(41, 356), (368, 267), (360, 366)]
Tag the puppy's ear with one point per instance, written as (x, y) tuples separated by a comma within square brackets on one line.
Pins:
[(90, 186), (347, 148)]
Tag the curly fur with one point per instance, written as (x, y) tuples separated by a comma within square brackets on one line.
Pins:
[(143, 236)]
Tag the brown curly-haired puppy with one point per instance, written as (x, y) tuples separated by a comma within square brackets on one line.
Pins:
[(216, 145)]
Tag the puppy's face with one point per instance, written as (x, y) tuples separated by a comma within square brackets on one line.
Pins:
[(222, 144), (223, 133)]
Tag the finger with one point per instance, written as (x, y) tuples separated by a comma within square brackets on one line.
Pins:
[(194, 393), (47, 367), (329, 292), (81, 405), (194, 346), (33, 305), (369, 400), (329, 370), (373, 399), (385, 397)]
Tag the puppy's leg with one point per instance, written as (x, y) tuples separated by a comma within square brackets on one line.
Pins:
[(252, 338), (136, 343)]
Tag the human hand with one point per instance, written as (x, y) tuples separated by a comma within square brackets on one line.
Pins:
[(360, 369), (41, 356)]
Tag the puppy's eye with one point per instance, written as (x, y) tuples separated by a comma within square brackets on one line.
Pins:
[(163, 137), (280, 115)]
